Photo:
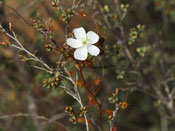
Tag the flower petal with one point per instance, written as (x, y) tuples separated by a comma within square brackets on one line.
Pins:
[(92, 37), (74, 43), (81, 53), (80, 33), (93, 50)]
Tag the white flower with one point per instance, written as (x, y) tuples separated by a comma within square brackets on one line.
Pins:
[(83, 43)]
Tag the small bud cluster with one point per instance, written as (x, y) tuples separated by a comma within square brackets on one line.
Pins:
[(83, 111), (114, 98), (135, 34), (67, 14), (74, 117), (24, 57), (87, 63), (2, 29), (105, 9), (49, 47), (11, 26), (37, 24), (81, 13), (52, 82), (47, 29), (4, 44), (92, 100), (141, 51), (114, 17), (97, 82), (124, 7), (120, 74), (83, 64), (70, 111), (109, 113), (66, 50), (123, 105), (54, 4), (4, 32), (117, 48)]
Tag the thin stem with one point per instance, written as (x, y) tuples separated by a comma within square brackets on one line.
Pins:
[(75, 95), (21, 47), (21, 17), (81, 73), (40, 68), (36, 116), (94, 96), (80, 101), (78, 3)]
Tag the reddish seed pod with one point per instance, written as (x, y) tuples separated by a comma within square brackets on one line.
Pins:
[(110, 117), (54, 4), (80, 13), (114, 129), (52, 84), (20, 56), (84, 108), (97, 82), (124, 105), (70, 73), (57, 79), (79, 83), (84, 15), (23, 60), (86, 85), (115, 17), (51, 27), (107, 112), (40, 26), (3, 43), (92, 100), (45, 82), (67, 108), (71, 12), (118, 47), (72, 120), (80, 119), (10, 26), (69, 112), (47, 46)]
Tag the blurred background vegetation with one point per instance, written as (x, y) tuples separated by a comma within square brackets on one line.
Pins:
[(153, 51)]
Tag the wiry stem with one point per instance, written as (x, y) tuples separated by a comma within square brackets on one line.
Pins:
[(80, 101), (114, 113), (36, 116), (21, 47), (76, 94), (94, 96)]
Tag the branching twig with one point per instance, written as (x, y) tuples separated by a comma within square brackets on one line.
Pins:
[(36, 116), (21, 47), (114, 113)]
